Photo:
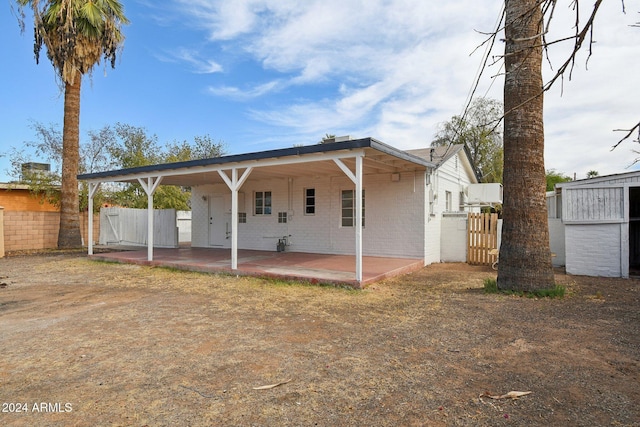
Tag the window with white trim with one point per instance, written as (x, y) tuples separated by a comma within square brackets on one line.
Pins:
[(282, 217), (448, 201), (348, 208), (262, 203), (309, 201), (242, 217)]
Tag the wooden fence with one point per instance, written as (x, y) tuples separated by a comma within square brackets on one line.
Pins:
[(482, 237)]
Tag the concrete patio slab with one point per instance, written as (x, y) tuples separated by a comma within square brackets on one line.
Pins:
[(315, 268)]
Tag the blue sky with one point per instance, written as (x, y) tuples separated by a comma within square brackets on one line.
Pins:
[(264, 74)]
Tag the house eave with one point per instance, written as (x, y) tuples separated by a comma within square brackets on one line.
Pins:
[(286, 156)]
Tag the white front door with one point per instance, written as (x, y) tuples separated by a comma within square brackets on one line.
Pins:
[(218, 223)]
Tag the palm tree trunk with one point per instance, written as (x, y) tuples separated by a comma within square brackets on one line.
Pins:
[(69, 234), (525, 257)]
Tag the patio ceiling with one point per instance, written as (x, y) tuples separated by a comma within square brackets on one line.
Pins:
[(307, 161)]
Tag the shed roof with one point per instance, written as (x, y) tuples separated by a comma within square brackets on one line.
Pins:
[(618, 178)]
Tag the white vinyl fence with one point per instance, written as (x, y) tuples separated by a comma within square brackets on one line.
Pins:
[(125, 226)]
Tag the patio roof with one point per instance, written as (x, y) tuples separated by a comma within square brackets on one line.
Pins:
[(311, 160)]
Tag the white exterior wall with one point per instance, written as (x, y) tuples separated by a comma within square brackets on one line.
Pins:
[(394, 220), (594, 249), (453, 176)]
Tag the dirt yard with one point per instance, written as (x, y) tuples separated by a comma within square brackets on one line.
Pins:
[(85, 343)]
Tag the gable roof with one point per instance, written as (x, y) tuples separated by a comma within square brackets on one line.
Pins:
[(308, 160), (439, 155)]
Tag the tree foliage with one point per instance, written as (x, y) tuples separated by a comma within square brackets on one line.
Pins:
[(554, 178), (120, 146), (479, 129)]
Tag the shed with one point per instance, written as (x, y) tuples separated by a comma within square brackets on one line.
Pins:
[(601, 217)]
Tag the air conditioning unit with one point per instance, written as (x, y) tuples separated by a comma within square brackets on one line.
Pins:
[(484, 194), (32, 168)]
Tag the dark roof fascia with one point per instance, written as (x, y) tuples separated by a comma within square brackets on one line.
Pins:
[(403, 155), (261, 155)]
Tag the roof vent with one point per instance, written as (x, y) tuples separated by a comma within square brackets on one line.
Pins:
[(342, 138), (332, 139)]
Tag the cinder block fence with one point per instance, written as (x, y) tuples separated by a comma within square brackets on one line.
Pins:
[(29, 230)]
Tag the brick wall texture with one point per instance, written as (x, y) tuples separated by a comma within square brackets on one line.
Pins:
[(27, 230)]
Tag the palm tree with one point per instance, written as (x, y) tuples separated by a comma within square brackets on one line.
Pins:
[(76, 33), (525, 257)]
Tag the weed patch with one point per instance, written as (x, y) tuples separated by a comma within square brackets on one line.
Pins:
[(491, 287)]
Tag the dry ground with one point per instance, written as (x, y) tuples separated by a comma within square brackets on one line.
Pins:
[(108, 344)]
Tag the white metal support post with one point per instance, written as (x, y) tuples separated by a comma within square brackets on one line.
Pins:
[(93, 188), (357, 180), (150, 187), (234, 183), (358, 216)]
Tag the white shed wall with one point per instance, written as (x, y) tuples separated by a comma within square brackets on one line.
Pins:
[(594, 249)]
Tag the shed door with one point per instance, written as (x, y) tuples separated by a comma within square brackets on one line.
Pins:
[(218, 223)]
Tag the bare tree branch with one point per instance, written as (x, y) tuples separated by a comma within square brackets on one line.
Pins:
[(580, 37), (627, 136)]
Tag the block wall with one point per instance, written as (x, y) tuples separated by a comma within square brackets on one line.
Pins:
[(28, 230)]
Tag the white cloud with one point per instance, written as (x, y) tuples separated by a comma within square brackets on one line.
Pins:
[(191, 57), (397, 68), (244, 95)]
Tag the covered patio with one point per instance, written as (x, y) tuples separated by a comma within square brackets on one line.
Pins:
[(309, 267), (352, 159)]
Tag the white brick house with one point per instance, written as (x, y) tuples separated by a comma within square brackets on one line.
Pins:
[(308, 196), (601, 218), (402, 208)]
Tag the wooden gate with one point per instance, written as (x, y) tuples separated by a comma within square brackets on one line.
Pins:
[(482, 237)]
